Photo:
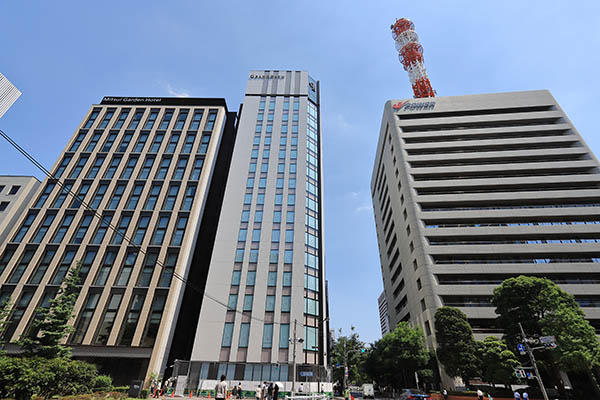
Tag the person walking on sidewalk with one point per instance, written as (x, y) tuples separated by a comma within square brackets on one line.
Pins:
[(479, 394), (517, 396), (259, 392), (445, 394), (221, 389)]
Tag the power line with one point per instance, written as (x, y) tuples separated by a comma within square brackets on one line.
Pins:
[(112, 227)]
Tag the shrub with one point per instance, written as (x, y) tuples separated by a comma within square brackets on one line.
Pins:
[(144, 393), (121, 389), (103, 383)]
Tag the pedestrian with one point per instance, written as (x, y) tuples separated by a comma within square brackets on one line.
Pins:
[(234, 392), (300, 389), (221, 389), (275, 391), (239, 388), (270, 391), (479, 394), (445, 394), (490, 397), (525, 396), (259, 392), (347, 394), (517, 396)]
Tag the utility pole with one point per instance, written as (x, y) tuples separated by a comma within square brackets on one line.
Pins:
[(294, 341), (533, 363)]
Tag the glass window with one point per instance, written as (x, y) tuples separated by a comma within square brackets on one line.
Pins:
[(42, 267), (131, 320), (62, 166), (161, 229), (242, 235), (180, 168), (248, 198), (62, 229), (232, 303), (278, 199), (311, 338), (270, 304), (289, 217), (163, 168), (139, 146), (260, 199), (256, 235), (253, 255), (198, 163), (250, 183), (78, 167), (288, 256), (311, 307), (274, 256), (195, 125), (97, 199), (107, 116), (154, 320), (44, 196), (275, 235), (245, 216), (136, 120), (25, 226), (104, 271), (62, 195), (85, 317), (80, 197), (6, 257), (279, 183), (140, 231), (112, 168), (92, 118), (158, 138), (108, 318), (151, 119), (20, 268), (172, 193), (188, 200), (227, 334), (124, 142), (251, 278), (93, 142), (166, 120), (235, 278), (86, 264), (267, 341), (153, 196), (248, 300), (212, 116), (291, 200), (121, 231), (109, 142), (239, 255), (148, 269), (125, 273), (166, 275), (286, 303), (289, 235), (146, 168), (93, 171), (134, 197), (63, 267), (116, 197), (82, 230), (181, 118), (43, 229), (189, 143), (172, 145), (277, 216), (284, 336), (102, 228), (244, 336), (179, 231), (287, 279), (203, 148)]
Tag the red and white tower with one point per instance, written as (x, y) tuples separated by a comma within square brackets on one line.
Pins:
[(410, 53)]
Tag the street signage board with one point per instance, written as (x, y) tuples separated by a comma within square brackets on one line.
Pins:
[(306, 373), (521, 348)]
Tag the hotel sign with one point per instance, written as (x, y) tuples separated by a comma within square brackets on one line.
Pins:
[(406, 105), (252, 76)]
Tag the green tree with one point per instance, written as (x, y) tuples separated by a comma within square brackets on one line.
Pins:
[(456, 346), (5, 308), (52, 324), (348, 350), (497, 361), (543, 308), (393, 360)]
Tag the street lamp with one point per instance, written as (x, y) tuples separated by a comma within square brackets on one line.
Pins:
[(295, 340)]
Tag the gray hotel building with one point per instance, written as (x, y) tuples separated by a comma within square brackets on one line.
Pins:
[(180, 190), (471, 190)]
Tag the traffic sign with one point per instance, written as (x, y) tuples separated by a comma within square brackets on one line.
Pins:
[(521, 348), (338, 365)]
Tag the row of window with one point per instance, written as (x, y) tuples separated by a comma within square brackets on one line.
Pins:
[(167, 116)]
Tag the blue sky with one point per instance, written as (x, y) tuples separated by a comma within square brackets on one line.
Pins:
[(66, 55)]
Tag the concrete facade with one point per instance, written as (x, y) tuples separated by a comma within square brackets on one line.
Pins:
[(384, 318), (471, 190), (267, 274), (146, 167), (15, 194)]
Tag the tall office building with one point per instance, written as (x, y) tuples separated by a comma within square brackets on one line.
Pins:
[(8, 94), (154, 170), (267, 274), (471, 190), (384, 318), (15, 194)]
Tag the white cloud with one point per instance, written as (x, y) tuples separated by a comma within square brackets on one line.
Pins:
[(175, 92), (363, 208)]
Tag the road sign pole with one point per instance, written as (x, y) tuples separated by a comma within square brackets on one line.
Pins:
[(533, 363)]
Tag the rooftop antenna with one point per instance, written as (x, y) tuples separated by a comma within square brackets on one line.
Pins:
[(410, 53)]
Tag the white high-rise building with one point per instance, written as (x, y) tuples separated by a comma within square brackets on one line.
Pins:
[(8, 94)]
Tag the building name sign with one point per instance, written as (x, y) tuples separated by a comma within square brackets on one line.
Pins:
[(133, 99), (406, 105), (252, 76)]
